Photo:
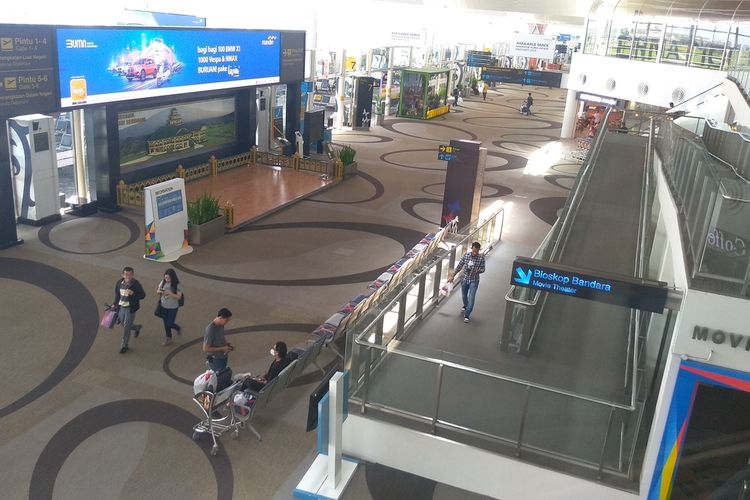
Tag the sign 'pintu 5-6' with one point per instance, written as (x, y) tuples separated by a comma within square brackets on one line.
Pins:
[(610, 288)]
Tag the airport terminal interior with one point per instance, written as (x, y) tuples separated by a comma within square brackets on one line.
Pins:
[(599, 154)]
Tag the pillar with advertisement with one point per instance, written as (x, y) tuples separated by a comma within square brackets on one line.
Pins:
[(363, 102), (463, 181)]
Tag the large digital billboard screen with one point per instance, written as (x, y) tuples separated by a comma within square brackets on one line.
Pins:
[(99, 65)]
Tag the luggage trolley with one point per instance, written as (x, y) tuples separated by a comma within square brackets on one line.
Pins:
[(225, 410)]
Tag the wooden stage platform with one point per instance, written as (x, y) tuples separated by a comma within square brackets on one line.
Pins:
[(258, 190)]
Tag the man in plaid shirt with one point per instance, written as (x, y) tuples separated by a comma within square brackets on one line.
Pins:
[(474, 262)]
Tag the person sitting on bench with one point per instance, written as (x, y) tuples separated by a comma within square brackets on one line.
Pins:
[(281, 360)]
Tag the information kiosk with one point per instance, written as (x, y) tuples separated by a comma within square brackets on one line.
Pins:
[(166, 235)]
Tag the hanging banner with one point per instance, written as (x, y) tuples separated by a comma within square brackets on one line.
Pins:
[(538, 46), (166, 237)]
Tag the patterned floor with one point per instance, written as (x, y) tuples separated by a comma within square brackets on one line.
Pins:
[(80, 420)]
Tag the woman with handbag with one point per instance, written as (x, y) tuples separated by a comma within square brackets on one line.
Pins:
[(170, 299)]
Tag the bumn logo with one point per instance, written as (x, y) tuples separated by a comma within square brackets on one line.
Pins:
[(75, 44)]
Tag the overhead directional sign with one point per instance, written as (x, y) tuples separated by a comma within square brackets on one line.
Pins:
[(614, 289), (446, 157)]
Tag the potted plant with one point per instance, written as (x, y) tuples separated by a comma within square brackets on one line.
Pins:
[(378, 111), (346, 156), (205, 220), (474, 85)]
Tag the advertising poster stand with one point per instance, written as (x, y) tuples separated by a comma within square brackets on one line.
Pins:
[(166, 235)]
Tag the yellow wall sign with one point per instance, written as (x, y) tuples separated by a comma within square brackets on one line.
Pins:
[(351, 63)]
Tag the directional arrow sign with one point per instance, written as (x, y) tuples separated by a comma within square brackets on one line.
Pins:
[(524, 278)]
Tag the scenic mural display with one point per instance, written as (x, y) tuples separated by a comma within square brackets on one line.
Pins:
[(153, 135)]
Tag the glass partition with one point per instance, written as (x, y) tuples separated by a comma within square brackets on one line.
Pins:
[(677, 42), (702, 45), (646, 41), (708, 47), (621, 39), (714, 206), (596, 38)]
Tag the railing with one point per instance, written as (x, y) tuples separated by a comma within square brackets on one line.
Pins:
[(742, 78), (524, 309), (730, 146), (436, 388), (132, 194), (714, 207), (413, 293)]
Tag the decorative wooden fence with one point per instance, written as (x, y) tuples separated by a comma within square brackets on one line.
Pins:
[(132, 194)]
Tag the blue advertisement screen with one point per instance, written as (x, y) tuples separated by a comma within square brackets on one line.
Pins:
[(169, 204), (100, 65)]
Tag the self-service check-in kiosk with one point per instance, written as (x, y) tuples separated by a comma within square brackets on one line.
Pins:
[(33, 164)]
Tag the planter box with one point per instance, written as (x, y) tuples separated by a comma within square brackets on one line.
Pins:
[(200, 234), (350, 170)]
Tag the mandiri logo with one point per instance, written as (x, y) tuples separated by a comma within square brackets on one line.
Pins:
[(270, 40)]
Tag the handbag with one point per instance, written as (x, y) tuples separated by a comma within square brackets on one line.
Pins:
[(181, 301), (109, 317), (159, 311)]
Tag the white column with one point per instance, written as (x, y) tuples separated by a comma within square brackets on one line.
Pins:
[(389, 82), (340, 91), (335, 424), (569, 116), (80, 156)]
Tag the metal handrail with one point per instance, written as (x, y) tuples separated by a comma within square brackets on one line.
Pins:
[(742, 136), (578, 194), (497, 376), (415, 277)]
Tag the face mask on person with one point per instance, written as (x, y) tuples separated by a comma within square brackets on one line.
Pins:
[(273, 352)]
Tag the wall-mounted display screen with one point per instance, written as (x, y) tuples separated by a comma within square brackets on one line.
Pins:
[(155, 134), (98, 65)]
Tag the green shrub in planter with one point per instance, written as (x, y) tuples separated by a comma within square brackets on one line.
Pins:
[(203, 209), (346, 155)]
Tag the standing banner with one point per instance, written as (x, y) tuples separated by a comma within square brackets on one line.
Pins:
[(363, 102), (166, 237), (538, 46), (463, 182)]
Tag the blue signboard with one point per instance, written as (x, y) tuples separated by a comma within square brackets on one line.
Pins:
[(98, 65), (169, 204), (446, 157), (612, 289), (522, 76)]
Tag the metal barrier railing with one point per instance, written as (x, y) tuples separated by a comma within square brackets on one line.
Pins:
[(730, 146), (377, 341), (429, 274), (714, 206), (524, 309)]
